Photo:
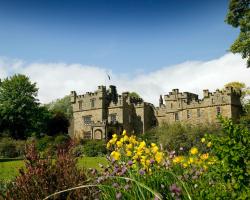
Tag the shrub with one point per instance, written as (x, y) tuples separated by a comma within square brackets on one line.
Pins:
[(10, 148), (44, 142), (181, 137), (61, 139), (94, 148), (43, 177)]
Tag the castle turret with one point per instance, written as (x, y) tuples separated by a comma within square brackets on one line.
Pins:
[(160, 101)]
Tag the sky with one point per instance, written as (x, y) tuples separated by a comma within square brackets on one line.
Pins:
[(148, 46)]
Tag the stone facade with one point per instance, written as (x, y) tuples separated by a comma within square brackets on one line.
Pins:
[(99, 114), (187, 107)]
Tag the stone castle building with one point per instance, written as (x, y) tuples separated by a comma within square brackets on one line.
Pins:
[(99, 114)]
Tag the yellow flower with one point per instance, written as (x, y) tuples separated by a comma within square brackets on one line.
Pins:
[(191, 160), (129, 153), (178, 159), (142, 144), (204, 156), (184, 165), (203, 140), (193, 150), (209, 144), (159, 157), (153, 144), (147, 151), (115, 155), (125, 138), (113, 140), (155, 149), (124, 132), (108, 145), (114, 136), (129, 146), (119, 144)]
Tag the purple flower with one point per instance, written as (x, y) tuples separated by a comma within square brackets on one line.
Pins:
[(141, 172), (152, 161), (118, 195), (130, 162), (175, 190), (115, 185), (124, 170), (126, 187)]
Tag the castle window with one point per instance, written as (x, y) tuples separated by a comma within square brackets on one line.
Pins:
[(188, 114), (87, 135), (113, 118), (87, 119), (212, 100), (171, 105), (92, 103), (176, 116), (198, 112), (218, 110), (80, 105)]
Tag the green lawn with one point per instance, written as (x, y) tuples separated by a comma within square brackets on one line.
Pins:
[(9, 168)]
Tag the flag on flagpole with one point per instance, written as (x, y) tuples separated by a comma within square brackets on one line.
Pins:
[(108, 76)]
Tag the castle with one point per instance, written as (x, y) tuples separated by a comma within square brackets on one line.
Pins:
[(99, 114)]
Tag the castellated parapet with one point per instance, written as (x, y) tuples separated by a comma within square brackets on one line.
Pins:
[(99, 114), (187, 107)]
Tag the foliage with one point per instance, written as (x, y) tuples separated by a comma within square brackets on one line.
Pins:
[(134, 94), (43, 177), (181, 137), (139, 171), (18, 106), (10, 148), (62, 105), (93, 148), (44, 143), (232, 168), (57, 124), (240, 88), (239, 16)]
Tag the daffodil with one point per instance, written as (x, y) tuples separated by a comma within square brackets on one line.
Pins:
[(209, 144), (115, 155), (159, 157), (128, 153), (119, 144), (124, 132), (204, 156), (203, 140), (193, 150)]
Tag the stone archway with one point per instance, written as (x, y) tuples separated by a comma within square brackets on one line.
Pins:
[(98, 134)]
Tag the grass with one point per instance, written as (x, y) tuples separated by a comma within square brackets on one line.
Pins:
[(9, 168)]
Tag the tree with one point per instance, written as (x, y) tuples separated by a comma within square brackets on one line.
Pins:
[(134, 94), (18, 106), (239, 16), (62, 105), (240, 88)]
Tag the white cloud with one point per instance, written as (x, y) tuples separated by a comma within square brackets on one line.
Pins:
[(55, 80)]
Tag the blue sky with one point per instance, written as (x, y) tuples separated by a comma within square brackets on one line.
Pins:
[(129, 36)]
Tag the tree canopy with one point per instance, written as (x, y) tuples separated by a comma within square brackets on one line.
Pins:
[(239, 87), (239, 16), (18, 105), (134, 94)]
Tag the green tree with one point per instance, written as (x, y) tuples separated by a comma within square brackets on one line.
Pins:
[(240, 88), (239, 16), (134, 94), (18, 106), (62, 105)]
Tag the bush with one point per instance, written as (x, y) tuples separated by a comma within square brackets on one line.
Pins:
[(94, 148), (10, 148), (44, 176), (181, 137), (61, 139), (44, 142)]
